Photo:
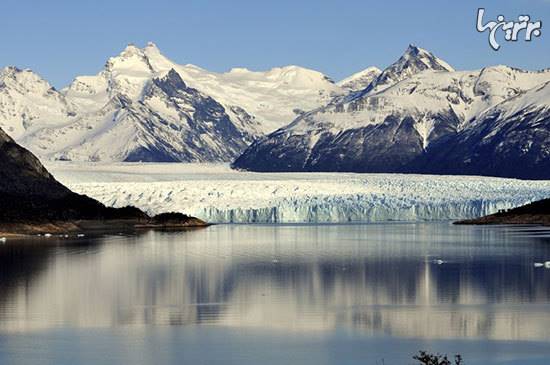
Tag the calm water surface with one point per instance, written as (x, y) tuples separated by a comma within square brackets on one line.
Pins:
[(238, 294)]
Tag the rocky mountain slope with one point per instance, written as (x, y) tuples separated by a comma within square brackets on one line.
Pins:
[(28, 103), (417, 115), (32, 201), (412, 62), (360, 80), (137, 109), (510, 139), (171, 122), (404, 121), (30, 194), (144, 107), (275, 97)]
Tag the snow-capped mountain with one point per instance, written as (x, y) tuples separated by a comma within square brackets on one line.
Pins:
[(259, 102), (143, 106), (275, 97), (138, 108), (413, 61), (392, 123), (28, 102), (510, 139), (360, 80), (170, 122)]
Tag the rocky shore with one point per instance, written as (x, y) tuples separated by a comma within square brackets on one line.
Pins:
[(33, 202), (534, 213)]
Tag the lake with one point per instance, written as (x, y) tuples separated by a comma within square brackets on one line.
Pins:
[(278, 294)]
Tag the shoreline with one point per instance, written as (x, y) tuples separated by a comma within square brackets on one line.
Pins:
[(536, 213), (498, 219), (93, 227)]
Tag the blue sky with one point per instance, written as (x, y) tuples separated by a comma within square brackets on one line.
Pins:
[(61, 39)]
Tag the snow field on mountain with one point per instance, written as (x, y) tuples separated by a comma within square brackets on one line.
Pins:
[(220, 195)]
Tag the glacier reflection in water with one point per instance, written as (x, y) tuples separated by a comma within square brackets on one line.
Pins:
[(422, 280)]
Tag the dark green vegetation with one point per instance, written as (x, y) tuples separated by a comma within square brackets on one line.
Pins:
[(426, 358)]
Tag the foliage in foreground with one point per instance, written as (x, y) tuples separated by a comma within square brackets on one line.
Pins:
[(426, 358)]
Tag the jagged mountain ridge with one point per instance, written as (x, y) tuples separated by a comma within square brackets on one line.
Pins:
[(393, 123), (124, 113), (412, 62), (515, 134), (137, 110), (121, 114), (171, 122), (28, 102), (360, 80)]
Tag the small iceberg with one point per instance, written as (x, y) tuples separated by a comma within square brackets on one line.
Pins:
[(545, 264), (438, 262)]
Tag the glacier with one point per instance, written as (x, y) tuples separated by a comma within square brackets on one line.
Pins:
[(218, 194)]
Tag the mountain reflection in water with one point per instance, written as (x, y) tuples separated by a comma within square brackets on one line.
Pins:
[(420, 280)]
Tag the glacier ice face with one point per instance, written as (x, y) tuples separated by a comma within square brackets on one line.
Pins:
[(220, 195)]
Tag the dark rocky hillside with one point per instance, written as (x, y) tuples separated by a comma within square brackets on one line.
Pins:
[(30, 195), (535, 213)]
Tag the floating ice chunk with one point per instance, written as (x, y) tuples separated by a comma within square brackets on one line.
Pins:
[(3, 239), (438, 262), (48, 235), (80, 235), (539, 264), (547, 264)]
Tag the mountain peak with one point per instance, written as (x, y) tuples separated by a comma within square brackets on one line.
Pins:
[(360, 80), (236, 70), (151, 45), (10, 70), (412, 48), (130, 53), (171, 82), (16, 72), (26, 80), (414, 60), (130, 50), (422, 59), (413, 51)]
